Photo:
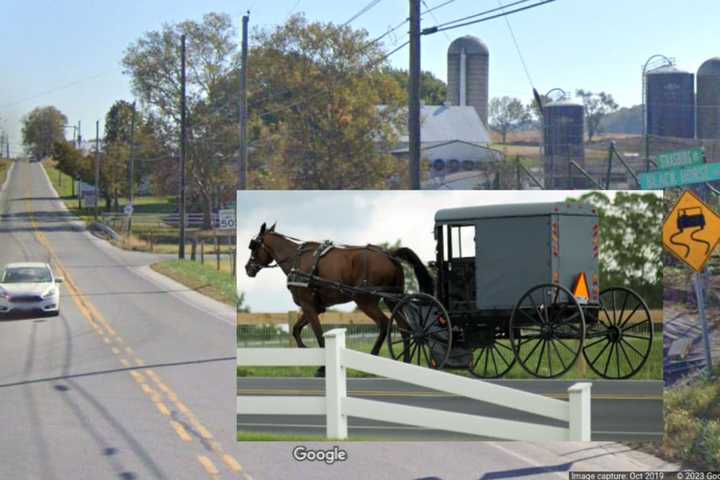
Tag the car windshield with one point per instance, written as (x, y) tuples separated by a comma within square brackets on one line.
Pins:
[(27, 275)]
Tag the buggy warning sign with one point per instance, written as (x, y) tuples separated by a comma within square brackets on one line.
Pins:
[(691, 231)]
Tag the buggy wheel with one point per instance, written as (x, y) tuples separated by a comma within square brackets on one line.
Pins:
[(547, 327), (620, 334), (493, 360), (419, 331)]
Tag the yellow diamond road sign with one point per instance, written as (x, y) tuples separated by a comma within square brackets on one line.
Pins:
[(691, 231)]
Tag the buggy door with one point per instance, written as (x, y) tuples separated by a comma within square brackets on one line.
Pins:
[(459, 258)]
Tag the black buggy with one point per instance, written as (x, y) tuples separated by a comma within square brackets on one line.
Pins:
[(520, 283)]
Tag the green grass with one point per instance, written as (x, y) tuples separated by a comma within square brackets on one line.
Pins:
[(143, 205), (652, 370), (4, 166), (692, 425), (201, 278)]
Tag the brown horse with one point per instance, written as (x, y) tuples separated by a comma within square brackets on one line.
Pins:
[(369, 268)]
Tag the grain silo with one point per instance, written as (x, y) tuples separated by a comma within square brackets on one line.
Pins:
[(563, 142), (708, 100), (670, 103), (468, 68)]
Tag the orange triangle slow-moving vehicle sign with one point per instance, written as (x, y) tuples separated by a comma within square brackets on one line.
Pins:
[(581, 292)]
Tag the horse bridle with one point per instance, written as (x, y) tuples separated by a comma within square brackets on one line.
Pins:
[(256, 243)]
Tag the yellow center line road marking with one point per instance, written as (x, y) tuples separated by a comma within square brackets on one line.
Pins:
[(182, 433), (208, 465), (125, 363), (101, 325), (162, 408), (232, 463)]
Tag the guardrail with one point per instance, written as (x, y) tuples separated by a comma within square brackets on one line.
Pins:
[(337, 406)]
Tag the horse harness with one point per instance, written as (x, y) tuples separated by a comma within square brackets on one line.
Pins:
[(299, 279)]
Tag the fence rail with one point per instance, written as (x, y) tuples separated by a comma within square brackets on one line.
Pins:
[(337, 406)]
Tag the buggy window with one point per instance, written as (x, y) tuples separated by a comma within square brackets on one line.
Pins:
[(462, 242)]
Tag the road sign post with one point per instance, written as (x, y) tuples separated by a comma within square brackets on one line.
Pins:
[(700, 296)]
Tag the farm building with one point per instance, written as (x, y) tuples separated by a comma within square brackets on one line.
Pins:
[(453, 139)]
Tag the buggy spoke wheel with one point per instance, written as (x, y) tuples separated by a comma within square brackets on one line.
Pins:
[(622, 345), (422, 325), (494, 360), (561, 320)]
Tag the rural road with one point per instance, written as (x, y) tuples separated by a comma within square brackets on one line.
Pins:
[(136, 380), (621, 410)]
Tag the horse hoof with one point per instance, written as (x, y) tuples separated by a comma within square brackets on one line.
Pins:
[(320, 373)]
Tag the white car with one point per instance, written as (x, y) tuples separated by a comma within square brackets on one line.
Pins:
[(29, 288)]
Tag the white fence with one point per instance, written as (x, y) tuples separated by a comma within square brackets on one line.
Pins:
[(337, 406)]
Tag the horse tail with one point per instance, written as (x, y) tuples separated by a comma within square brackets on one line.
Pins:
[(425, 280)]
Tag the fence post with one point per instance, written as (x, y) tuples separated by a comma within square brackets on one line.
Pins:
[(217, 252), (193, 249), (335, 384), (580, 427), (202, 251)]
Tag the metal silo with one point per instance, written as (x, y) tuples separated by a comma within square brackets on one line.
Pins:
[(670, 103), (563, 142), (468, 68), (708, 100)]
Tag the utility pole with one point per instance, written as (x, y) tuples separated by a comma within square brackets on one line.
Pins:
[(97, 167), (242, 173), (414, 96), (79, 144), (183, 140), (131, 168)]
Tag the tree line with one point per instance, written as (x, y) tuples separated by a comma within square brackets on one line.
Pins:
[(510, 114), (325, 111)]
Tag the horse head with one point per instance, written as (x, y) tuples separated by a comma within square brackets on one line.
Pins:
[(260, 255)]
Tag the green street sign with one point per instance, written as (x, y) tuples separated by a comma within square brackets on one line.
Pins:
[(680, 158), (675, 177)]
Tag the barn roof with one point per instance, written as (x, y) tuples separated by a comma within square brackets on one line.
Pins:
[(513, 210), (447, 123)]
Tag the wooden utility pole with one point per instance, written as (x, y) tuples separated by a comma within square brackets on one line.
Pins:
[(183, 141), (414, 96), (97, 167), (131, 169), (242, 167)]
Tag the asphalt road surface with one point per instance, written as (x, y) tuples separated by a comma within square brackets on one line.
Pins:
[(136, 379), (621, 410)]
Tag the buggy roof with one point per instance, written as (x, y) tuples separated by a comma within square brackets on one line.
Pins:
[(514, 210)]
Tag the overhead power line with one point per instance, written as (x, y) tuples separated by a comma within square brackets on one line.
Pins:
[(362, 11), (453, 24), (517, 47)]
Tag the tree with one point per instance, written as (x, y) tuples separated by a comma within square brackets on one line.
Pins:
[(153, 62), (508, 114), (597, 107), (433, 91), (41, 128), (630, 250), (318, 86)]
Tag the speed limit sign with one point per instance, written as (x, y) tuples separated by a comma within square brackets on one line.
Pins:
[(226, 219)]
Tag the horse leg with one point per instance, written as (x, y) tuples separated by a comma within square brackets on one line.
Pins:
[(297, 329), (314, 320), (371, 308)]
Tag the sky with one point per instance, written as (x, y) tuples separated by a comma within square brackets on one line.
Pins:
[(356, 218), (67, 52)]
